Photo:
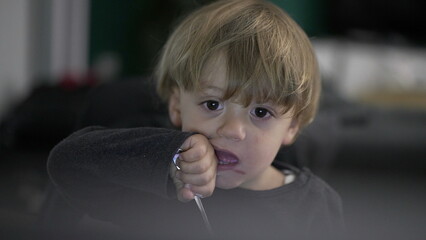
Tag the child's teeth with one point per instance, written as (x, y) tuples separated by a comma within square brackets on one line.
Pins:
[(226, 158), (225, 162)]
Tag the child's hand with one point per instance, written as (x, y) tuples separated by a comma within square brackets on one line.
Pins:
[(197, 174)]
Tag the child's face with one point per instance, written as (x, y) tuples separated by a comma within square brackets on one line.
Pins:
[(245, 139)]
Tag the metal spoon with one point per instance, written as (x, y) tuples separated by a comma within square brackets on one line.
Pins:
[(203, 214)]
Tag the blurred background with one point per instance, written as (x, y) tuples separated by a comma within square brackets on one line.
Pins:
[(368, 142)]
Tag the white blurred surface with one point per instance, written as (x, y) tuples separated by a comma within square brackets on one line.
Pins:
[(40, 39), (356, 68), (14, 51)]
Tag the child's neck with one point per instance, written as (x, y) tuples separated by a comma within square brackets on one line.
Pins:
[(271, 178)]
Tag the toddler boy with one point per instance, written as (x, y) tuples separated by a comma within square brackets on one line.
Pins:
[(241, 79)]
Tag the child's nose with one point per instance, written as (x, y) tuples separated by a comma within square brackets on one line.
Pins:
[(232, 128)]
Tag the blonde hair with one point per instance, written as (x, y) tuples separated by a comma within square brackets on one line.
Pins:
[(268, 56)]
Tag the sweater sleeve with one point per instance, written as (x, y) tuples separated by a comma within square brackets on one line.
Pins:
[(95, 167)]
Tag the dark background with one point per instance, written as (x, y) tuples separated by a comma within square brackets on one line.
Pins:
[(137, 30)]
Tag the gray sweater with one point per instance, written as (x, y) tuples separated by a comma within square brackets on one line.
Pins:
[(122, 176)]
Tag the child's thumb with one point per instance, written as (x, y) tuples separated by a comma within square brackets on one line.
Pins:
[(185, 194)]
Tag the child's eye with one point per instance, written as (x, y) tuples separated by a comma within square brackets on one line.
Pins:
[(212, 105), (260, 112)]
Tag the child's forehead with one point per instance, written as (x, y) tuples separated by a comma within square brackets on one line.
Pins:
[(211, 88), (221, 77), (217, 81), (220, 89)]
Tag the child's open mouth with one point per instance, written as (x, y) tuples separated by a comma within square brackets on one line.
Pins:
[(227, 161), (226, 158)]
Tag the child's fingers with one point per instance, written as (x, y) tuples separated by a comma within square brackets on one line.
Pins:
[(197, 163), (197, 179), (194, 153), (204, 191), (191, 141), (184, 194), (173, 172), (201, 166)]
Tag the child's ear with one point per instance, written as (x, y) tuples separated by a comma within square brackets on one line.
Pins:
[(174, 108), (292, 132)]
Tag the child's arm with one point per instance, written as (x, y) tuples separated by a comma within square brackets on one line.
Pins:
[(94, 166)]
